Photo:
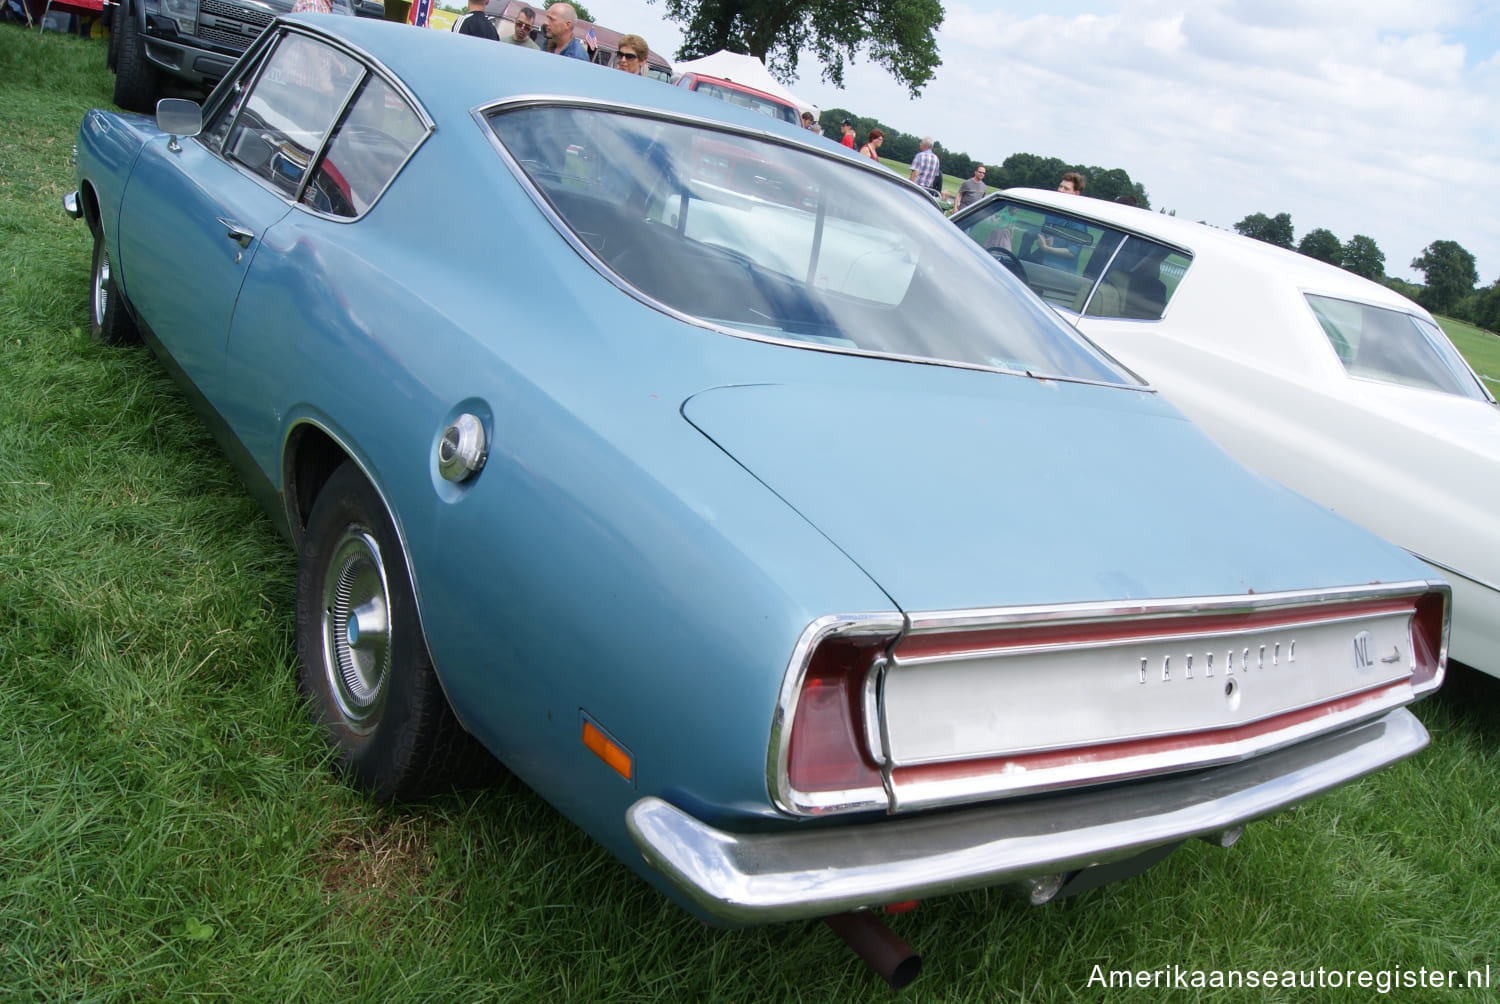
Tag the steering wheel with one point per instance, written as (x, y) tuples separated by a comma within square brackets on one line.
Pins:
[(1009, 260)]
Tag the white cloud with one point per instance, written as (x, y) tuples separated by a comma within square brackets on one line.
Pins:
[(1359, 116)]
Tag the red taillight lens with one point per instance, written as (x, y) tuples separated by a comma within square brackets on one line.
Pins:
[(1428, 633), (828, 751)]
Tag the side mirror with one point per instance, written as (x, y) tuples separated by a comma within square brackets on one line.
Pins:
[(178, 117)]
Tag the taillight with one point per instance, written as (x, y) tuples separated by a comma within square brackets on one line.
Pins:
[(829, 753), (1429, 636)]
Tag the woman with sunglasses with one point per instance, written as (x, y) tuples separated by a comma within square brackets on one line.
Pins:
[(631, 56)]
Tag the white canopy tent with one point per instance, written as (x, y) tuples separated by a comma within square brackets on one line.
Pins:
[(742, 69)]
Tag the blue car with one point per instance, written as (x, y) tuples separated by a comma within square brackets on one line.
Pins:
[(706, 477)]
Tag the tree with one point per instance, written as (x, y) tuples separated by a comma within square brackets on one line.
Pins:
[(1271, 229), (1322, 245), (899, 35), (1450, 275), (1486, 310), (1363, 256)]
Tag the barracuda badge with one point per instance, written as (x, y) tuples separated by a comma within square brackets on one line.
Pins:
[(1235, 660)]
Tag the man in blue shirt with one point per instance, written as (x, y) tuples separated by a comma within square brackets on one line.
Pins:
[(558, 27), (925, 169)]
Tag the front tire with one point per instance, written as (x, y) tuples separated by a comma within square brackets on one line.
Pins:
[(109, 319), (135, 77), (364, 666)]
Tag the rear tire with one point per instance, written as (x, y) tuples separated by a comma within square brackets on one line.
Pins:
[(109, 319), (135, 77), (364, 666)]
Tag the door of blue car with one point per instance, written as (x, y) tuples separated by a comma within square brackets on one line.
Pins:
[(195, 211)]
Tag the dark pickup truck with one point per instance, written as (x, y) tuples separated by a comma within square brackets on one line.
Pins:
[(194, 42)]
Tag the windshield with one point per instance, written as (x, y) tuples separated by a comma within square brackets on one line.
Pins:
[(755, 102), (1393, 346), (774, 241)]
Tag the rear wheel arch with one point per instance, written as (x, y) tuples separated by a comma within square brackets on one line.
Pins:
[(308, 461)]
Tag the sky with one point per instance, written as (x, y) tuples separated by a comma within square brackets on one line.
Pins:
[(1375, 117)]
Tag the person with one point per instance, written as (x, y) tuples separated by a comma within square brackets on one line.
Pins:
[(558, 27), (871, 148), (847, 138), (631, 55), (925, 169), (1071, 184), (807, 120), (476, 23), (1127, 200), (525, 20), (972, 190)]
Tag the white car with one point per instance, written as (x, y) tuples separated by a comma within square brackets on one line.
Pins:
[(1332, 384)]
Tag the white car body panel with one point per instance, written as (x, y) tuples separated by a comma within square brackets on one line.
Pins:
[(1240, 351)]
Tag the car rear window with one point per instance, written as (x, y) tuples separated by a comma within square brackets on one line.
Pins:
[(1379, 343), (1079, 265), (777, 241)]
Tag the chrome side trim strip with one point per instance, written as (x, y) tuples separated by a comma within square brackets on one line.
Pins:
[(812, 872), (1080, 613)]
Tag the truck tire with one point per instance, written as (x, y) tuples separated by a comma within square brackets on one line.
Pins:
[(111, 53), (135, 77)]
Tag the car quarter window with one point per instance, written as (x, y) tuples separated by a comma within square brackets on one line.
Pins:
[(279, 125), (1393, 346), (376, 136), (776, 240), (1079, 265)]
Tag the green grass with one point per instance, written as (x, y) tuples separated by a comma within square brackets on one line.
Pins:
[(1481, 348), (170, 828)]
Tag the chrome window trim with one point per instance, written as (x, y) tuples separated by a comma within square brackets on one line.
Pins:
[(480, 113)]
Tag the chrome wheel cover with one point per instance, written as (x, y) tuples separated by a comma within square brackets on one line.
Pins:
[(100, 299), (356, 629)]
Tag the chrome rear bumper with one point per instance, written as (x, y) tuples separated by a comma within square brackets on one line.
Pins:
[(812, 872)]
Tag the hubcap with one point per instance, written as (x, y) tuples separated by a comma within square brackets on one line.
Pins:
[(356, 629), (101, 284)]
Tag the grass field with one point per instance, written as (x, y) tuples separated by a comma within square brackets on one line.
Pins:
[(169, 828), (1481, 348)]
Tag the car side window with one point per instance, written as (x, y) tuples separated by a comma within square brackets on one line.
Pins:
[(1392, 346), (1139, 281), (282, 121), (377, 135)]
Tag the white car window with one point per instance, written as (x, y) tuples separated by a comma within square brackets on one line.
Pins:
[(1079, 265), (1393, 346)]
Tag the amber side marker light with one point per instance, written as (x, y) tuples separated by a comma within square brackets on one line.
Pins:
[(606, 749)]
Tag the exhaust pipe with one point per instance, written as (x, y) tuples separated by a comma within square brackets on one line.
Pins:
[(878, 945)]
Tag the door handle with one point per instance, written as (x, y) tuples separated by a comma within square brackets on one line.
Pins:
[(236, 233)]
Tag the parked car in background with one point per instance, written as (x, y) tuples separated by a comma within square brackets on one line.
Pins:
[(783, 549), (189, 43), (742, 95), (1334, 385)]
